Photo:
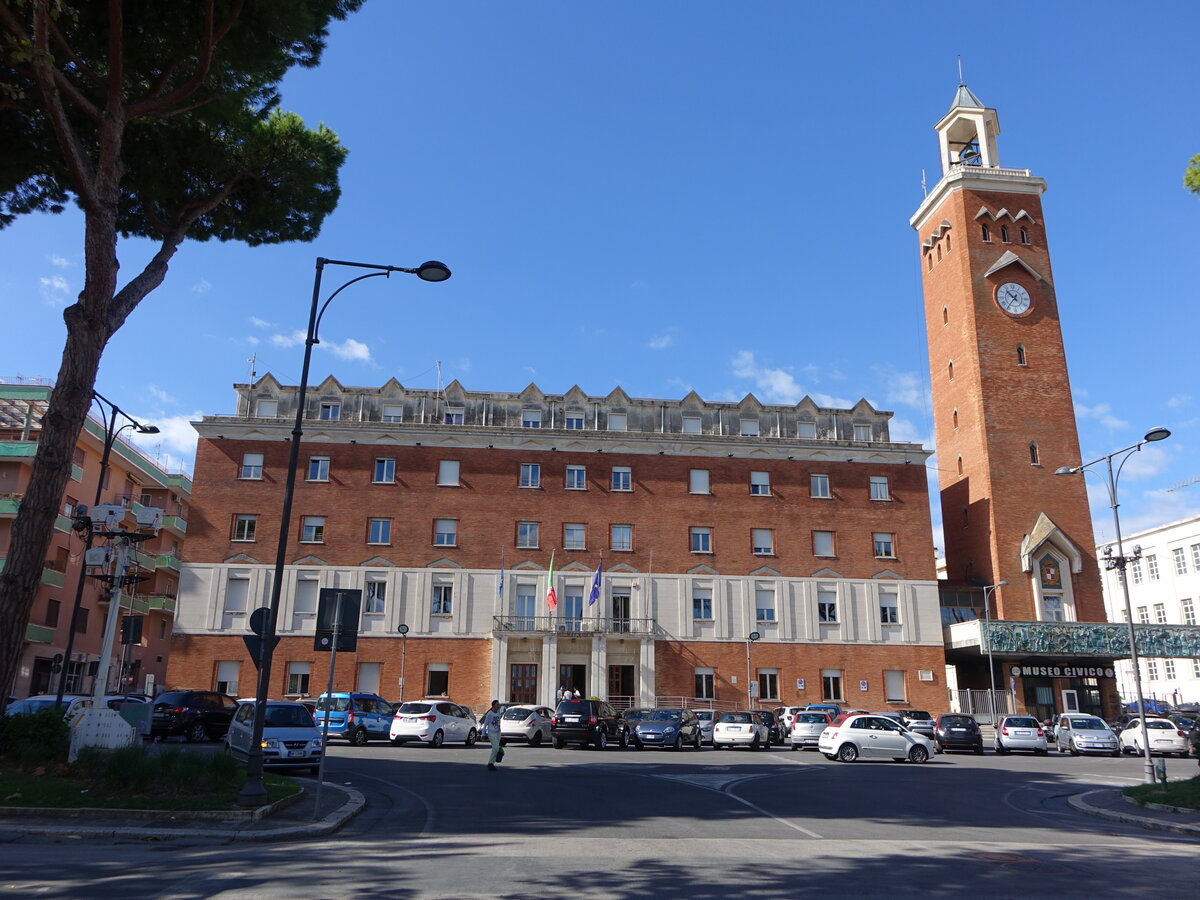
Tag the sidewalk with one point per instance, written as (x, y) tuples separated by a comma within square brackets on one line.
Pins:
[(291, 820), (1112, 804)]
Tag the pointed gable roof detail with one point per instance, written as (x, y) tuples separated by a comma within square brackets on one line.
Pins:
[(964, 98)]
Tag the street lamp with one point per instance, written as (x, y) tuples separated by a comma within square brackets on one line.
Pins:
[(750, 639), (110, 437), (987, 619), (403, 629), (1120, 561), (253, 793)]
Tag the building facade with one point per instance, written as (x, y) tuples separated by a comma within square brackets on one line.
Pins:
[(1164, 589), (455, 512), (132, 481)]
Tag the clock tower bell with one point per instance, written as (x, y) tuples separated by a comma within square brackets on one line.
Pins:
[(1003, 415)]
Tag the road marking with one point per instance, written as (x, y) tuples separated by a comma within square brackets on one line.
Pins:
[(428, 829), (800, 828)]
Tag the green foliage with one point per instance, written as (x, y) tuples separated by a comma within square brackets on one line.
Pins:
[(34, 738), (1185, 794), (136, 770), (1191, 178)]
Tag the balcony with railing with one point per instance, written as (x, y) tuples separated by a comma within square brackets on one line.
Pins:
[(572, 625)]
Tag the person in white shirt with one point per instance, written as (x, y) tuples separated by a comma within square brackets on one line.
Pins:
[(490, 726)]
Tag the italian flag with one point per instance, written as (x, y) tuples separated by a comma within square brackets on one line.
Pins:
[(551, 596)]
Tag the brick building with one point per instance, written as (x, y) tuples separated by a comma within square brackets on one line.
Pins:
[(132, 481), (712, 521)]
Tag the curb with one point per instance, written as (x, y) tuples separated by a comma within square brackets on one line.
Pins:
[(355, 803), (182, 815), (1079, 802)]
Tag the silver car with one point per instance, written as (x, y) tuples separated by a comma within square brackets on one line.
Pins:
[(873, 737), (1021, 733), (807, 726), (1077, 734), (290, 738), (707, 718), (530, 724)]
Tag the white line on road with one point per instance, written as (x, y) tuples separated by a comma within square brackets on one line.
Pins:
[(428, 829)]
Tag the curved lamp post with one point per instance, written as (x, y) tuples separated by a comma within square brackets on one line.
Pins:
[(253, 793), (750, 639), (110, 437), (1120, 561), (987, 618)]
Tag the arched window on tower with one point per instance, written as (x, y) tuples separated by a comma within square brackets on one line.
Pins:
[(1033, 454), (1021, 355), (1004, 233), (950, 369), (947, 242), (1024, 236), (939, 251), (955, 415), (960, 465), (966, 517), (929, 261), (945, 315), (987, 234)]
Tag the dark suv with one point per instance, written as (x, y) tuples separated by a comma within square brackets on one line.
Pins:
[(197, 715), (583, 722)]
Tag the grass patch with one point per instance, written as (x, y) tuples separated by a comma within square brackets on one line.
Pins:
[(1185, 794)]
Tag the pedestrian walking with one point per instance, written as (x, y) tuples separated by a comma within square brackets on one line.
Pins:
[(491, 730)]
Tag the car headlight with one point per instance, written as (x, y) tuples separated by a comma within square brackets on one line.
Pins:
[(315, 743), (270, 744), (670, 729)]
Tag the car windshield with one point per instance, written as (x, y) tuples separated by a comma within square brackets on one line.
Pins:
[(918, 714), (337, 704), (1160, 724), (663, 715), (34, 704), (957, 722), (415, 709), (288, 717), (740, 718), (519, 713), (1090, 724), (812, 718), (1021, 722)]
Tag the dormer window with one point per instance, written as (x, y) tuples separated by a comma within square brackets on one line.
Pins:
[(531, 418), (1004, 233), (987, 234), (331, 410)]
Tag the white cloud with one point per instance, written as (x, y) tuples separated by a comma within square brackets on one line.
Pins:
[(59, 262), (1101, 413), (174, 447), (906, 389), (1148, 462), (1179, 400), (908, 432), (203, 286), (160, 395), (348, 349), (253, 340), (261, 323), (288, 340), (54, 289), (779, 385), (661, 343)]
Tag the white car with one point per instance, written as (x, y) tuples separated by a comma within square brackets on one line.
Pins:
[(290, 738), (433, 722), (874, 737), (807, 725), (1165, 737), (530, 724), (1077, 734), (72, 703), (1021, 733), (745, 729)]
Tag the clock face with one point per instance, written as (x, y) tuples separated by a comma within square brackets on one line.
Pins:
[(1013, 298)]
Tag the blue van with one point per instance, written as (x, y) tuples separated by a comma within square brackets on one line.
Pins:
[(356, 717)]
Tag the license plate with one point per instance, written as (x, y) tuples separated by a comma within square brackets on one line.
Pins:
[(735, 727), (958, 729), (295, 753), (570, 718), (1022, 733)]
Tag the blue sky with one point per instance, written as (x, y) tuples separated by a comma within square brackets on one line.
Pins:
[(676, 195)]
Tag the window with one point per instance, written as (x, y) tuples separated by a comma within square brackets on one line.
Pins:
[(893, 685), (826, 605), (305, 600), (764, 605), (385, 471), (1024, 236), (760, 484), (831, 684), (454, 415), (531, 475), (572, 609), (702, 604), (1196, 557), (1021, 360), (574, 536), (374, 596), (960, 471), (312, 530), (879, 488), (1152, 566), (237, 595), (692, 425), (527, 535), (448, 473), (1189, 612), (318, 468), (889, 608), (622, 537), (81, 620), (1169, 669), (929, 260), (526, 607), (252, 465), (622, 478), (576, 478), (268, 409), (618, 422), (818, 487), (768, 684), (437, 680), (705, 684), (1180, 561), (701, 539), (950, 369), (243, 527), (393, 413), (806, 430), (1052, 604), (749, 428), (369, 676), (1152, 669), (986, 232), (862, 432), (954, 419), (1160, 613), (1004, 233), (297, 678), (443, 599), (52, 610), (1143, 613), (1034, 459), (1136, 566), (945, 315), (885, 544), (698, 481), (531, 418), (763, 541), (331, 410), (379, 531), (445, 532), (573, 421), (823, 543), (227, 676)]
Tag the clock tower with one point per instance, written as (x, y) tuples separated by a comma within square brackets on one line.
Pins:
[(1003, 416)]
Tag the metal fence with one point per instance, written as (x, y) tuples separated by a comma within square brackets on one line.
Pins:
[(978, 705), (572, 625)]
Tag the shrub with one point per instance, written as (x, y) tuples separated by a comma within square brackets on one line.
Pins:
[(137, 770), (35, 738)]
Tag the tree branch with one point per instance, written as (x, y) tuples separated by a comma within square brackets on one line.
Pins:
[(84, 68)]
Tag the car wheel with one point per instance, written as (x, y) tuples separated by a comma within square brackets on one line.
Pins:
[(847, 753), (754, 744), (396, 742), (358, 737), (1001, 749), (1041, 752), (918, 754), (697, 742), (795, 746), (678, 745), (1072, 749), (195, 733), (436, 740), (536, 740), (979, 750), (1116, 753), (624, 739), (559, 744), (472, 735), (601, 742), (829, 755)]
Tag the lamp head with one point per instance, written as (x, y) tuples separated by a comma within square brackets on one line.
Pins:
[(1157, 434), (1065, 470), (433, 271), (147, 429), (1001, 583)]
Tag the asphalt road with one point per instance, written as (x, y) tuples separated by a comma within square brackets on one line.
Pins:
[(629, 824)]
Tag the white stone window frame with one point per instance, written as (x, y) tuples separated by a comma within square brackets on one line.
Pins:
[(575, 473), (529, 535), (245, 535), (318, 465), (618, 422), (388, 470), (819, 487), (762, 541), (574, 536), (531, 418), (312, 530), (445, 532), (252, 467), (449, 473), (1066, 592), (392, 412), (692, 425), (622, 479), (624, 546), (700, 539), (573, 420), (880, 489), (530, 477)]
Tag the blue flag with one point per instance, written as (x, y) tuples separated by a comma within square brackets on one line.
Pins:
[(500, 582), (595, 594)]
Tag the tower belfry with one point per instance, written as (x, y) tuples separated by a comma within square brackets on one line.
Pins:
[(967, 133)]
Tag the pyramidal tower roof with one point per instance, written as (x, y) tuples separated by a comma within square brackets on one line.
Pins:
[(964, 96)]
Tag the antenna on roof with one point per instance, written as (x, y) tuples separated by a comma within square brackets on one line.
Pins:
[(960, 78), (251, 360), (924, 189)]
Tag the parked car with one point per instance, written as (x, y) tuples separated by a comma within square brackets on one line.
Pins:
[(633, 715), (1194, 741), (957, 731), (1165, 737), (895, 717), (72, 703), (785, 715), (873, 737), (708, 718), (434, 722), (1075, 734), (776, 734), (1185, 721), (832, 708), (581, 721), (807, 725), (197, 715), (354, 716), (290, 738), (741, 728), (667, 727), (530, 724), (1021, 733), (918, 720)]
